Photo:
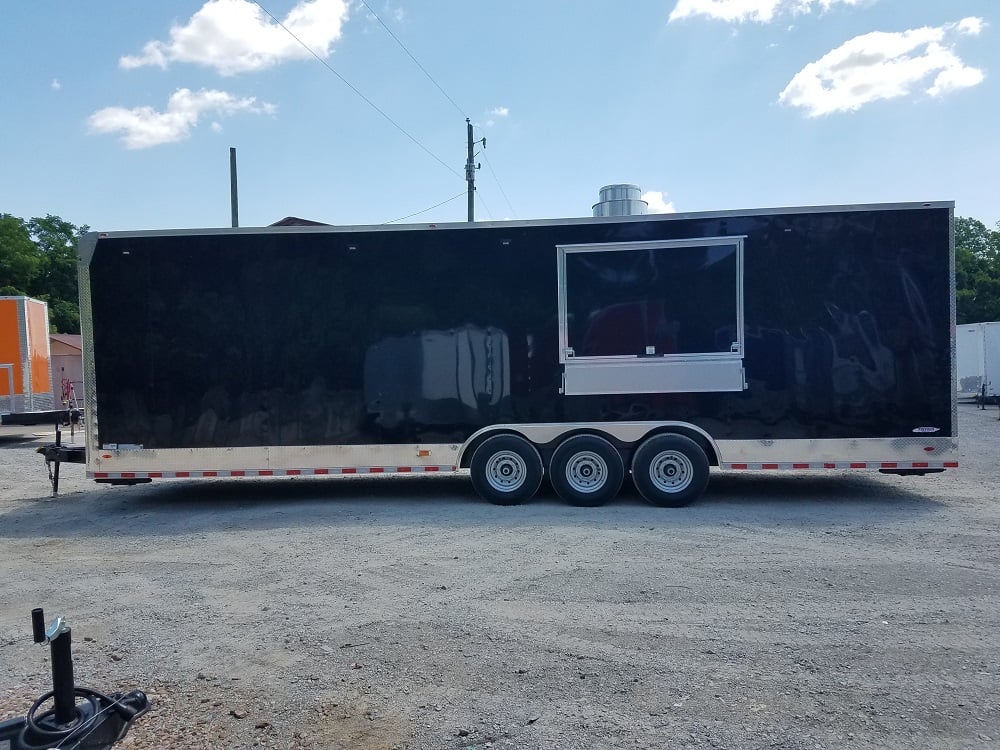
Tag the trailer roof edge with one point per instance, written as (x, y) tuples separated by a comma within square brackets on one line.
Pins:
[(430, 226)]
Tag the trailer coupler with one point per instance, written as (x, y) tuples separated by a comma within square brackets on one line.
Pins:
[(70, 454)]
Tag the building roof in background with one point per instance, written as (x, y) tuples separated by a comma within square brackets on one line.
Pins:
[(295, 221), (69, 339)]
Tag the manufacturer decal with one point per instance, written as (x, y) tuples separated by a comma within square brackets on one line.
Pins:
[(924, 430)]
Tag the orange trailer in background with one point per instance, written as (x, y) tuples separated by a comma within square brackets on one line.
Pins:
[(25, 363)]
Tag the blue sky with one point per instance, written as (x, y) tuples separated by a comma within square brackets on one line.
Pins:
[(120, 114)]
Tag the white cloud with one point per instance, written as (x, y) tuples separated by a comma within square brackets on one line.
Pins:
[(55, 84), (216, 127), (657, 203), (144, 127), (495, 113), (954, 78), (883, 65), (739, 11), (972, 26), (236, 36)]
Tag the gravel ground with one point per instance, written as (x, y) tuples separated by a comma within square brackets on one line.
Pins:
[(821, 610)]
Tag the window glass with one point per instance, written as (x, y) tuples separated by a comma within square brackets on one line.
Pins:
[(652, 301)]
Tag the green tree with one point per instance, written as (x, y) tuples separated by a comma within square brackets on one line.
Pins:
[(977, 271), (55, 281), (56, 241), (38, 259), (20, 259)]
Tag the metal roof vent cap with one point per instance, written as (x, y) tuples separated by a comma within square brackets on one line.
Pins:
[(620, 200)]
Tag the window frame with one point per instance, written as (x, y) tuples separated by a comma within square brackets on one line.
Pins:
[(651, 373)]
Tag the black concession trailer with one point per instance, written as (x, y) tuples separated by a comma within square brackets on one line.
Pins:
[(591, 351)]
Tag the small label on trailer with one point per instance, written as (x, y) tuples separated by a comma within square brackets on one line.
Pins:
[(119, 447), (926, 429)]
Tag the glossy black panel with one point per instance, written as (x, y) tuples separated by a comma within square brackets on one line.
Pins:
[(427, 335)]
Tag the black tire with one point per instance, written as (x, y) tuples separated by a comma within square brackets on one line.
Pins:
[(506, 470), (670, 471), (586, 470)]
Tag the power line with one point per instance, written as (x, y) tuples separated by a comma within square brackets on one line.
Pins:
[(431, 208), (488, 212), (387, 117), (353, 88), (415, 61), (446, 96), (502, 191)]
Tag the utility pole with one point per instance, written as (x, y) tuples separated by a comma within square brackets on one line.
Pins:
[(233, 197), (470, 174), (470, 170)]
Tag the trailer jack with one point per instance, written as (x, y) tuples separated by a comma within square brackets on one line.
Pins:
[(57, 454), (79, 718)]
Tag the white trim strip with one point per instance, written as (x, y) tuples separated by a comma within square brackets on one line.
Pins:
[(396, 470), (809, 465), (232, 473)]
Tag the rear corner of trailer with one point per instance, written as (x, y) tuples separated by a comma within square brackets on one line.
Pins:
[(39, 353)]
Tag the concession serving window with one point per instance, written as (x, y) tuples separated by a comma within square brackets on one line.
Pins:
[(651, 317)]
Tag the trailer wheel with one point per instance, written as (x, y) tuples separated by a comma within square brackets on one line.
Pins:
[(670, 470), (586, 470), (506, 470)]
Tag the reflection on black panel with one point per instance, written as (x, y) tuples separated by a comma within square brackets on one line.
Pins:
[(438, 378)]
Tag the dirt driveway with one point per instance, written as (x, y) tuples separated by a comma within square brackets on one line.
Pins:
[(826, 610)]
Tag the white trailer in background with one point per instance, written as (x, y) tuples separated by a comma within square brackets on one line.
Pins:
[(977, 361), (991, 359), (969, 360)]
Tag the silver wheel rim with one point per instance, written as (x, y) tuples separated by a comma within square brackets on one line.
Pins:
[(586, 472), (506, 471), (671, 471)]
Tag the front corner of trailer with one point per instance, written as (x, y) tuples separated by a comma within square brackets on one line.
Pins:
[(86, 246)]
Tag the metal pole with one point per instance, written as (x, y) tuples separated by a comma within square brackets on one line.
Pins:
[(64, 693), (38, 625), (55, 472), (233, 196), (470, 174)]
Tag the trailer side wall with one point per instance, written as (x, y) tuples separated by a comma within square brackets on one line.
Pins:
[(426, 335)]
